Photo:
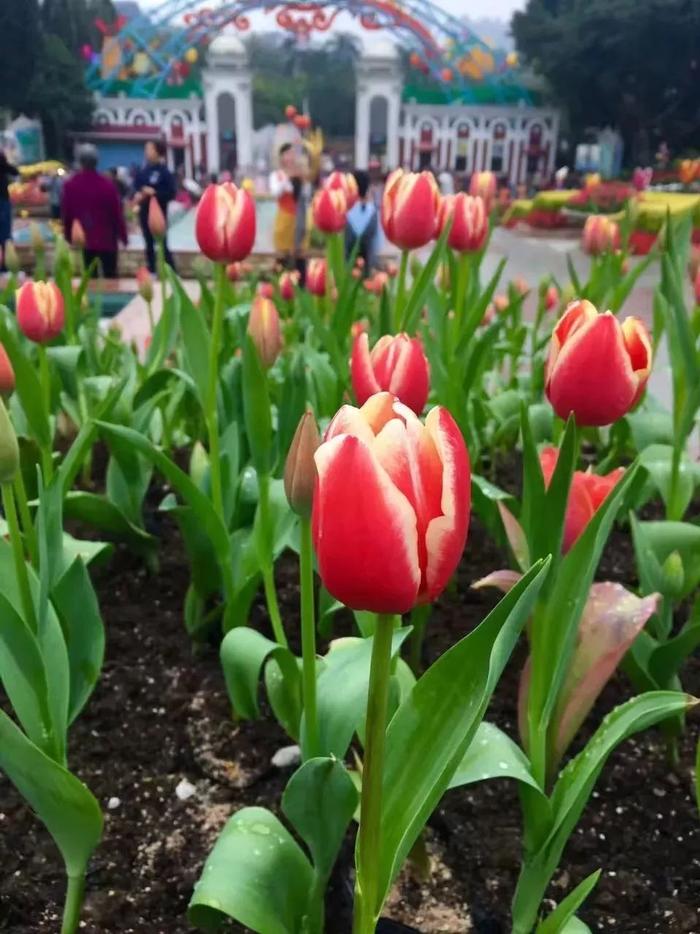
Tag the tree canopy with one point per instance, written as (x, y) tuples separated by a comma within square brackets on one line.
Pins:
[(631, 64)]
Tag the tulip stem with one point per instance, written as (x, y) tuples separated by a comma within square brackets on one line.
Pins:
[(151, 323), (73, 904), (400, 292), (26, 518), (265, 557), (419, 621), (460, 295), (366, 908), (8, 505), (45, 382), (212, 417), (308, 639)]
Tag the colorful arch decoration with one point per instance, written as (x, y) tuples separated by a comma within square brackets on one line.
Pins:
[(161, 48)]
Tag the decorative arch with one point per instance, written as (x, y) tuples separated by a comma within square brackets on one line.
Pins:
[(159, 48)]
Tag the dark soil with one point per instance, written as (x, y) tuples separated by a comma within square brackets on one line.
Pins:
[(159, 715)]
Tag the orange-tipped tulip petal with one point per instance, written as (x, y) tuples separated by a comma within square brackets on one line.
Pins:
[(597, 368)]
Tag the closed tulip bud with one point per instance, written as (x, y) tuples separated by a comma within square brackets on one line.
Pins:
[(597, 368), (225, 225), (300, 468), (687, 170), (11, 257), (266, 289), (77, 235), (551, 298), (7, 374), (357, 328), (520, 285), (329, 210), (395, 364), (199, 464), (500, 303), (233, 272), (470, 222), (587, 494), (391, 505), (316, 276), (484, 185), (40, 311), (157, 223), (144, 283), (36, 238), (287, 285), (264, 329), (345, 182), (410, 207), (600, 235), (673, 575), (9, 449), (392, 270)]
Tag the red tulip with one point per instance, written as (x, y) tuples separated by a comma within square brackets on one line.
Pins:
[(345, 182), (470, 222), (157, 223), (7, 374), (597, 367), (484, 185), (551, 298), (265, 289), (392, 270), (600, 235), (316, 276), (264, 329), (586, 494), (391, 505), (40, 313), (287, 285), (225, 226), (376, 284), (234, 272), (144, 283), (410, 206), (395, 364), (77, 235), (329, 210)]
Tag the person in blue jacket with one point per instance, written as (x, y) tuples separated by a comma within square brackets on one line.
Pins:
[(154, 180)]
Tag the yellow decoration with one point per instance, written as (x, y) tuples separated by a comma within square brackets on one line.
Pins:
[(592, 179), (141, 63), (191, 56), (248, 185), (512, 59), (483, 60)]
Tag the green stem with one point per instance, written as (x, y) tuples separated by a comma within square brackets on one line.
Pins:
[(151, 322), (401, 291), (73, 905), (212, 417), (460, 295), (8, 505), (45, 382), (26, 518), (264, 535), (366, 909), (308, 639), (419, 621), (674, 510)]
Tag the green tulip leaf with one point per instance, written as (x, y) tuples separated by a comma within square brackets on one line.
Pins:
[(195, 337), (27, 386), (492, 754), (559, 921)]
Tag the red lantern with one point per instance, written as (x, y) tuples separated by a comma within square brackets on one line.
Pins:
[(302, 121)]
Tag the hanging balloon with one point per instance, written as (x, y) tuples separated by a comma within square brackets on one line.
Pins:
[(290, 111), (86, 52), (302, 121), (141, 63), (446, 75), (191, 55), (415, 60)]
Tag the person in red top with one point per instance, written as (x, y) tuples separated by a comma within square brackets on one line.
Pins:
[(94, 200)]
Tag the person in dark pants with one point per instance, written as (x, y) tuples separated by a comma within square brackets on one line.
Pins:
[(154, 180), (93, 201), (7, 171)]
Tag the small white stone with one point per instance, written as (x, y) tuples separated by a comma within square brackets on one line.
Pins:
[(113, 803), (185, 789), (286, 757)]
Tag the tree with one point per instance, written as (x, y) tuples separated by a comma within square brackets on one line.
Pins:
[(58, 95), (631, 64), (19, 47)]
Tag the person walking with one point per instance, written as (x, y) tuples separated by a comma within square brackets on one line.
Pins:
[(7, 171), (154, 180), (362, 226), (93, 201)]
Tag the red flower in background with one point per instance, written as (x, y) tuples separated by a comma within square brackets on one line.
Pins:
[(395, 364), (410, 207), (225, 225)]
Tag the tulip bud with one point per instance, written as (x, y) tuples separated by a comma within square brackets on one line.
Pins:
[(396, 364), (345, 182), (233, 272), (264, 329), (600, 235), (7, 374), (157, 223), (77, 235), (9, 449), (316, 276), (500, 303), (673, 575), (597, 368), (410, 207), (329, 210), (199, 464), (36, 238), (225, 225), (392, 270), (520, 285), (144, 283), (470, 222), (300, 468), (11, 257), (40, 311), (287, 285), (551, 298), (483, 185)]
